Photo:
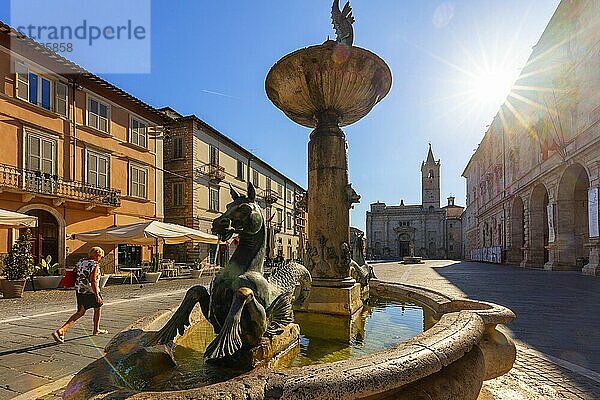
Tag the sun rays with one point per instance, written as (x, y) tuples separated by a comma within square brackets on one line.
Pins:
[(485, 78)]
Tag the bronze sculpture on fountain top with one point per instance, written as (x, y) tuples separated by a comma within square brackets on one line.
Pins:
[(325, 87)]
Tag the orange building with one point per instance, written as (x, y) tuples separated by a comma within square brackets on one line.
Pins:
[(76, 151)]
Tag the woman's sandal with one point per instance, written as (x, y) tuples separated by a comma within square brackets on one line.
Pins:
[(58, 337), (101, 332)]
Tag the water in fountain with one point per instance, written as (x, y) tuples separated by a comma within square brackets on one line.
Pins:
[(382, 323)]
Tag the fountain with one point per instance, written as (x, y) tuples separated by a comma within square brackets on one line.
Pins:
[(325, 87), (253, 352)]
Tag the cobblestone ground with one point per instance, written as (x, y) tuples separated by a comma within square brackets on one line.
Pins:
[(556, 330), (29, 357)]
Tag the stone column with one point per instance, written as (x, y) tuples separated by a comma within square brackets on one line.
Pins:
[(334, 291), (553, 243), (593, 265), (526, 232)]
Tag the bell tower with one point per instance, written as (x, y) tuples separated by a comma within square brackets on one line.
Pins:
[(430, 182)]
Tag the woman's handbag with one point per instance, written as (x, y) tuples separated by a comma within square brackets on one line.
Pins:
[(68, 280)]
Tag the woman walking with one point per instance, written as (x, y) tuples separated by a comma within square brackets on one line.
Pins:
[(87, 288)]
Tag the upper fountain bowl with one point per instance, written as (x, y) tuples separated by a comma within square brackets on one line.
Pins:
[(328, 77)]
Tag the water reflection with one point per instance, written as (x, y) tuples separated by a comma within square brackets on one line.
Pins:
[(381, 323)]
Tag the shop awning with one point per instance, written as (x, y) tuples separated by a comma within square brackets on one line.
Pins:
[(11, 219), (147, 233)]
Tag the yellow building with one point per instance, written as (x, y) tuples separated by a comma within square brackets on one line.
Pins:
[(200, 164), (77, 152)]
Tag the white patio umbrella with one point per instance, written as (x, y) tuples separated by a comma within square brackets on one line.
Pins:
[(11, 219), (147, 233)]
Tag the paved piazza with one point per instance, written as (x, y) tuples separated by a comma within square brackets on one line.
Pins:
[(29, 357), (557, 329)]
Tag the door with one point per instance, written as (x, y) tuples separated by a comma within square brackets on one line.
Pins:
[(45, 236), (404, 248)]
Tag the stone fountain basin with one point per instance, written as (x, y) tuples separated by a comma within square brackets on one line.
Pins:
[(330, 76), (448, 361)]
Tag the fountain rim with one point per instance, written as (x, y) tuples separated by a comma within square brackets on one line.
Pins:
[(462, 325), (329, 45)]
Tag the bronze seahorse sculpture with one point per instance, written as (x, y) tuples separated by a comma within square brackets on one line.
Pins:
[(242, 304)]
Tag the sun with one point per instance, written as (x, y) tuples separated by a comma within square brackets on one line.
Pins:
[(490, 87)]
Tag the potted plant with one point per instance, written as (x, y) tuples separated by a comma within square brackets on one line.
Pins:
[(18, 264), (196, 269), (46, 275), (153, 275)]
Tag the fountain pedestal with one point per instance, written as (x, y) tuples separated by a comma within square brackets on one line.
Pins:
[(333, 290), (325, 87)]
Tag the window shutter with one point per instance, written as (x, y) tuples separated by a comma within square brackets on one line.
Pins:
[(45, 95), (33, 88), (22, 81), (103, 173), (61, 100), (35, 153), (92, 167)]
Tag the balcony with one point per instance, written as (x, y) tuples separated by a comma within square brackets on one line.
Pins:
[(271, 196), (47, 185), (215, 173)]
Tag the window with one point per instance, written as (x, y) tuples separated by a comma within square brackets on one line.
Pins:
[(61, 99), (279, 189), (289, 220), (240, 170), (138, 132), (98, 114), (289, 196), (213, 198), (279, 216), (430, 175), (178, 193), (33, 87), (97, 169), (22, 73), (214, 156), (255, 178), (178, 147), (268, 183), (138, 177), (41, 154)]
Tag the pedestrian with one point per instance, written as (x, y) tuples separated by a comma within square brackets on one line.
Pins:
[(87, 288)]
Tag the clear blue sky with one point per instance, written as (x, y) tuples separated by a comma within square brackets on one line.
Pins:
[(436, 50)]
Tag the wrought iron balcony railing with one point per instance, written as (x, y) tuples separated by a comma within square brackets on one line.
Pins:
[(45, 184), (271, 196)]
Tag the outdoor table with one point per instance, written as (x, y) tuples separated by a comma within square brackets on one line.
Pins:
[(133, 271)]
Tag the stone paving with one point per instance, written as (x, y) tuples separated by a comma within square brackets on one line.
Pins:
[(556, 330), (29, 357)]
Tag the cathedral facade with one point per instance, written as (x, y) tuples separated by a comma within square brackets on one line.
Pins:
[(426, 230)]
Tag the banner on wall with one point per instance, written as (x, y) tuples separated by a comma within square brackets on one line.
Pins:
[(593, 212), (550, 211)]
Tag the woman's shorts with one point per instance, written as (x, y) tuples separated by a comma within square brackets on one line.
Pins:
[(87, 301)]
